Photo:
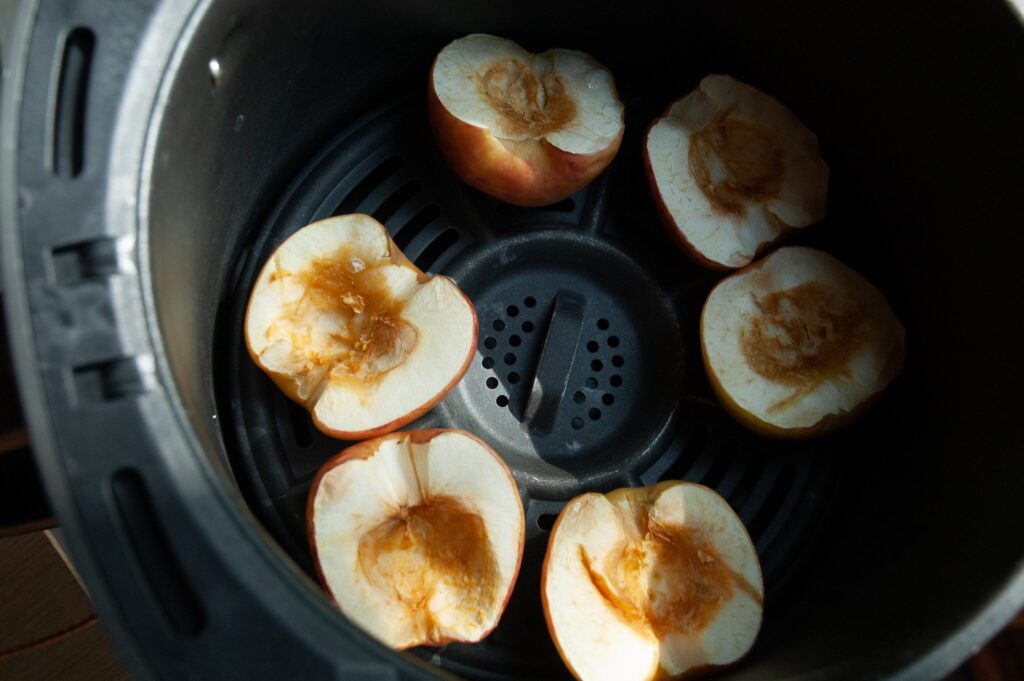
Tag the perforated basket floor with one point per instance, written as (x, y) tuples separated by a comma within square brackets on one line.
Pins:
[(587, 374)]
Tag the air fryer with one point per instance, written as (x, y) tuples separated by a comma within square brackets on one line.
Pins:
[(155, 153)]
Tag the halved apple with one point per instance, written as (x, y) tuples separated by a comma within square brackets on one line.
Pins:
[(732, 170), (418, 536), (651, 583), (798, 344), (349, 328), (529, 129)]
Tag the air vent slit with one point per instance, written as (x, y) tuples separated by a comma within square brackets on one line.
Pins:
[(362, 190), (404, 234), (67, 136), (692, 449), (386, 210), (445, 240), (159, 566), (772, 505)]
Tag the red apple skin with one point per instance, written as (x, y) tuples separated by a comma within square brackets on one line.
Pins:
[(289, 387), (528, 173), (828, 423), (366, 449), (676, 231)]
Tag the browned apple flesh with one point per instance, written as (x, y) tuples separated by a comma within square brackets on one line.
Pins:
[(732, 171), (651, 582), (797, 343), (418, 536), (349, 328)]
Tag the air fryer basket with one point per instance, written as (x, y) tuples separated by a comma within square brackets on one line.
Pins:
[(160, 153)]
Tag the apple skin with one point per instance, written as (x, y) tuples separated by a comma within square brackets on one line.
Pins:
[(676, 232), (529, 173), (658, 674), (366, 449), (289, 387), (827, 424)]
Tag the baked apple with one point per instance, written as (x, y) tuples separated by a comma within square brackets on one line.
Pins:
[(528, 129), (651, 583), (798, 344), (350, 329), (418, 536), (732, 171)]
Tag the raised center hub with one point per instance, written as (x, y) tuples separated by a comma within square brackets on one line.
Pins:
[(578, 360)]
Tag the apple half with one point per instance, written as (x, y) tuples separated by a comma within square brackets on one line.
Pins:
[(732, 171), (418, 536), (798, 344), (528, 129), (651, 583), (350, 329)]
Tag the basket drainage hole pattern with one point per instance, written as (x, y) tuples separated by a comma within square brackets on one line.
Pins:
[(592, 394)]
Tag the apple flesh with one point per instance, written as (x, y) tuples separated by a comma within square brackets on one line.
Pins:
[(418, 536), (349, 328), (651, 583), (798, 344), (732, 171), (528, 129)]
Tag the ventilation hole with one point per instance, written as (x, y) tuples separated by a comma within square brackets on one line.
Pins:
[(773, 504), (302, 429), (576, 423), (512, 311), (602, 324), (502, 401), (68, 132), (530, 301), (397, 200), (592, 346), (490, 343), (158, 564), (616, 381), (438, 246), (359, 193), (691, 450), (594, 413), (513, 378), (546, 521), (578, 397), (492, 383), (591, 383), (515, 341), (488, 363), (747, 483), (608, 399), (596, 365), (613, 341), (618, 361), (510, 359), (407, 232), (528, 327), (719, 467)]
